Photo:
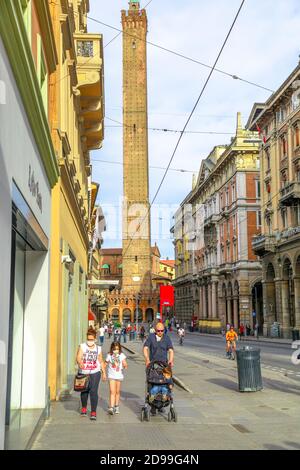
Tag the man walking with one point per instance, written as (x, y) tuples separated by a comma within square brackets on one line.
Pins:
[(158, 347)]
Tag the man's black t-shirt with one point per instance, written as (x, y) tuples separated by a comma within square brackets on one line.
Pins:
[(158, 349)]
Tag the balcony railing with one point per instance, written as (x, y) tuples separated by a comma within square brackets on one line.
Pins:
[(211, 220), (289, 193), (263, 244)]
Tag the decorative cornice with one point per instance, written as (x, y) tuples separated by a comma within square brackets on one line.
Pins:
[(47, 34), (14, 36)]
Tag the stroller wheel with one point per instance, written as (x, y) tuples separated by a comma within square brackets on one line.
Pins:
[(142, 414), (174, 415), (170, 416), (147, 414)]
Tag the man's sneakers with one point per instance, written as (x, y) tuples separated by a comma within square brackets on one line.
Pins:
[(117, 410), (83, 412), (93, 416), (110, 411)]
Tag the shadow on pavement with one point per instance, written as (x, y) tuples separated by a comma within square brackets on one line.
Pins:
[(277, 385), (224, 383), (293, 445)]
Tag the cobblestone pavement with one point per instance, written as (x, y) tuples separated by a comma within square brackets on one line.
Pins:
[(214, 416)]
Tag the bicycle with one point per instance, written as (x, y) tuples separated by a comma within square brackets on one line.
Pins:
[(231, 353)]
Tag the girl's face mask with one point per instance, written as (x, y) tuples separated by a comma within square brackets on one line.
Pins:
[(90, 342), (116, 352)]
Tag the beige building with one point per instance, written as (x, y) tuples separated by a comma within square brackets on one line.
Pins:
[(217, 274), (279, 243)]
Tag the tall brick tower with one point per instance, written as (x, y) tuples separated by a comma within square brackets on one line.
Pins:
[(136, 216)]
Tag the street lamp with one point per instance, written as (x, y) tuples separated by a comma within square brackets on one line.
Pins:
[(136, 279)]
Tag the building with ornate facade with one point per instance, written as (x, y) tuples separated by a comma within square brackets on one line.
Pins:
[(217, 273), (77, 117), (279, 243)]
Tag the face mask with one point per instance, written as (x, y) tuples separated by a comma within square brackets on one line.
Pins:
[(116, 352), (90, 343)]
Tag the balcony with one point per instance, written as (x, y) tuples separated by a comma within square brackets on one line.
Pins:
[(224, 212), (225, 268), (290, 193), (284, 163), (90, 89), (211, 220), (263, 244)]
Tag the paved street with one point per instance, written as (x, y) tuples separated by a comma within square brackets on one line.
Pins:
[(214, 416), (274, 355)]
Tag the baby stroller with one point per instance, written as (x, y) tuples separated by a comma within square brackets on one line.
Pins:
[(156, 375)]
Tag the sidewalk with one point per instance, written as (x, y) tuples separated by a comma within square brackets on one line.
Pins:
[(214, 416)]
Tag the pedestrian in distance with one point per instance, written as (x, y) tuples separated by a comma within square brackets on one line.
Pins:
[(115, 363), (90, 361), (142, 333), (256, 330), (110, 331), (101, 333), (241, 331)]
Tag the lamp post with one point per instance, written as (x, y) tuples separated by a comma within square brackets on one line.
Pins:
[(136, 279)]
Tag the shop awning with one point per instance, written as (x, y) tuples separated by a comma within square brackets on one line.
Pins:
[(105, 266)]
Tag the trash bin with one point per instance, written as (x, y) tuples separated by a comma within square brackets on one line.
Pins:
[(295, 335), (249, 372)]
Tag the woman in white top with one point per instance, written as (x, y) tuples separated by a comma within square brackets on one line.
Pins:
[(115, 363), (90, 361)]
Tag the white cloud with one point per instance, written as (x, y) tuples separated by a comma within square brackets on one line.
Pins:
[(263, 48)]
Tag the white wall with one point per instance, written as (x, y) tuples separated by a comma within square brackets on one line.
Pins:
[(35, 330)]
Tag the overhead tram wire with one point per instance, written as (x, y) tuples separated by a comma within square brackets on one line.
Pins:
[(178, 54), (183, 56), (189, 118), (151, 166), (169, 130)]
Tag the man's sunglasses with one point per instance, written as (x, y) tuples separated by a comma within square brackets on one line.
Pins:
[(160, 331)]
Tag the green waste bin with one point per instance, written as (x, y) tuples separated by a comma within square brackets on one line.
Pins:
[(249, 371)]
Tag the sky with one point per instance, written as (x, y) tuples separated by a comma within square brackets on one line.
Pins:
[(263, 48)]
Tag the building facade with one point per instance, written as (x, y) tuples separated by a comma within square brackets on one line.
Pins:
[(279, 243), (29, 170), (218, 276), (76, 115)]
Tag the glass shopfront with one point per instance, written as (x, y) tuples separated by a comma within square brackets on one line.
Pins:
[(28, 254)]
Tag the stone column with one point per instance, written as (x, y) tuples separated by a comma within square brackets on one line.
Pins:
[(297, 301), (235, 312), (201, 301), (285, 309), (229, 311), (214, 299), (209, 301), (204, 302)]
